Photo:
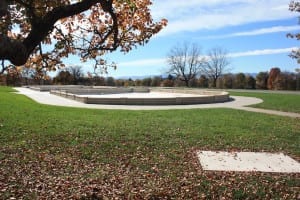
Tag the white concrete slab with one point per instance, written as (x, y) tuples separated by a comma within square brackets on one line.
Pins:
[(247, 161)]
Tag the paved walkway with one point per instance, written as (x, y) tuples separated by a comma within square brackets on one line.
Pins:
[(237, 102)]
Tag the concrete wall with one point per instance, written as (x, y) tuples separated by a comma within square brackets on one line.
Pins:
[(47, 88), (216, 98), (103, 90)]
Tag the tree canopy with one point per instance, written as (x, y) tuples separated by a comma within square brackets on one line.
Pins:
[(87, 28)]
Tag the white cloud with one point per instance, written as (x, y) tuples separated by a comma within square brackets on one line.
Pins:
[(160, 62), (197, 15), (261, 31), (261, 52)]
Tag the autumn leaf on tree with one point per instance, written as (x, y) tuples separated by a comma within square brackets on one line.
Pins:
[(87, 28)]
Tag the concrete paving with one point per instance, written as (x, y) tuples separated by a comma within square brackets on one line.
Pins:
[(271, 112), (237, 102), (47, 98), (247, 161)]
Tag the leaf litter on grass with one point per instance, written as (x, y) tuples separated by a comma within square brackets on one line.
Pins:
[(42, 175)]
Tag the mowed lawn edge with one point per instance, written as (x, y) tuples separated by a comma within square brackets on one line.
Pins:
[(126, 153)]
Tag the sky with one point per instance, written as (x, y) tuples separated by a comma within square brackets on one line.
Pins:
[(252, 31)]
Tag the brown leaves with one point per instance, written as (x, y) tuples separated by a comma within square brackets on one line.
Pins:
[(138, 174)]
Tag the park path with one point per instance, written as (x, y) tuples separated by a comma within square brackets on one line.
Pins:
[(270, 112), (238, 102)]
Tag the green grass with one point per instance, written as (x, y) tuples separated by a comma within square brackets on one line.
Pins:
[(4, 89), (51, 151), (281, 102)]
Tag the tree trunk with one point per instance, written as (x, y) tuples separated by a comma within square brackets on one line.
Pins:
[(214, 83), (187, 83), (3, 8)]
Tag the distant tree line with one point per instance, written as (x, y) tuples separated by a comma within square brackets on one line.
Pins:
[(186, 62), (275, 79), (272, 80)]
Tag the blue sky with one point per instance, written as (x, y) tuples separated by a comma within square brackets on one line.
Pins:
[(252, 31)]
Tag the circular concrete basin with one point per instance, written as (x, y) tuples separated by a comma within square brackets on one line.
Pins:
[(117, 96)]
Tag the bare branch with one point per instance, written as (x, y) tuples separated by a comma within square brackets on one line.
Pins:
[(216, 64), (185, 62)]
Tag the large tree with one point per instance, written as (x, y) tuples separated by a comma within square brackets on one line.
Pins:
[(273, 76), (217, 63), (87, 28), (77, 73), (185, 62), (262, 80), (295, 7)]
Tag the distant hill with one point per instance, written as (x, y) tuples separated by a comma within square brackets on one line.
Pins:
[(252, 74), (136, 77)]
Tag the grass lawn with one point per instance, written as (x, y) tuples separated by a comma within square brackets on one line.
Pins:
[(49, 152), (273, 101)]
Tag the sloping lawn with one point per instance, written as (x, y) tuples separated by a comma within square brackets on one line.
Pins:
[(49, 152), (273, 101)]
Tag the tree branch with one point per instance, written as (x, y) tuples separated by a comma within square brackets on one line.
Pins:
[(40, 29)]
